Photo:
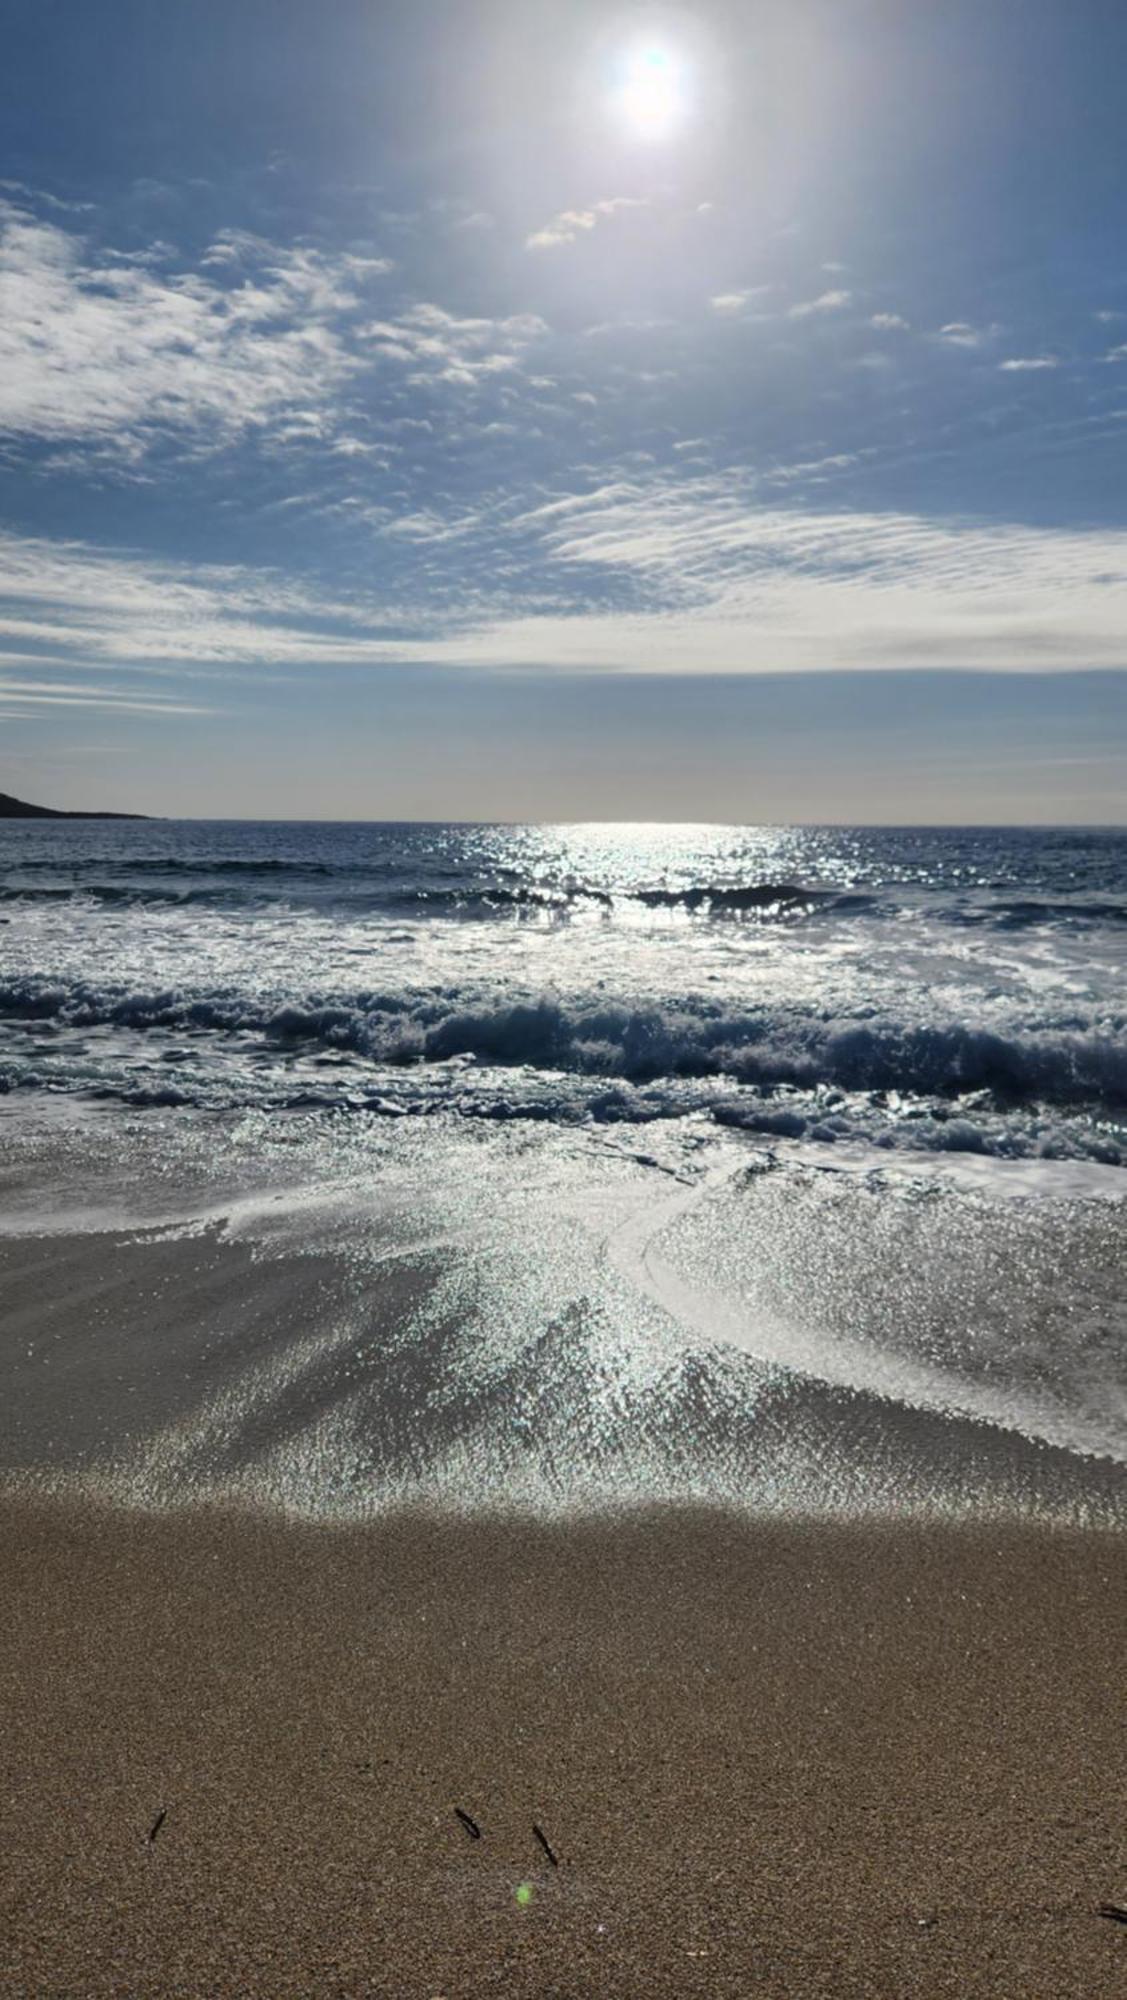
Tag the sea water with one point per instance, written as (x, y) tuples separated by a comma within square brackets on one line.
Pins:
[(961, 991), (693, 1114)]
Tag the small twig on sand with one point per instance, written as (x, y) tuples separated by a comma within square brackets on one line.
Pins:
[(545, 1844), (471, 1825), (158, 1823), (1115, 1912)]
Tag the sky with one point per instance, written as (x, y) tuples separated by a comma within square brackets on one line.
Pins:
[(562, 411)]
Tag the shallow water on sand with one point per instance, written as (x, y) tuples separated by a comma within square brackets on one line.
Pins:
[(337, 1314)]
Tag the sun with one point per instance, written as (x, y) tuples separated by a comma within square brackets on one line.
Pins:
[(652, 95)]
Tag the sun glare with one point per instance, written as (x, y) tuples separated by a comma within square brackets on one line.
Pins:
[(652, 96)]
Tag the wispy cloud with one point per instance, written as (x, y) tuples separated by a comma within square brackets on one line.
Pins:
[(826, 302), (960, 333), (735, 302), (575, 222), (724, 585), (641, 574), (61, 694), (112, 359), (435, 426), (441, 346), (796, 593), (73, 604), (45, 200), (117, 353)]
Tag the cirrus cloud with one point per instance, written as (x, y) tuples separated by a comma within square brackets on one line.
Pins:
[(639, 575)]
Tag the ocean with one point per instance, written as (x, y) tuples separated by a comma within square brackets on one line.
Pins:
[(781, 1165)]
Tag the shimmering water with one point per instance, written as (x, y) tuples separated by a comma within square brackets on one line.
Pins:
[(773, 1165), (954, 990)]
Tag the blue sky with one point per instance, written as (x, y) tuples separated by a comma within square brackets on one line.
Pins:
[(397, 419)]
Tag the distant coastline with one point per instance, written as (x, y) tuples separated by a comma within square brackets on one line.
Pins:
[(11, 808)]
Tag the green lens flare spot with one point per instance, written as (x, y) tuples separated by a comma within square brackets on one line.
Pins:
[(524, 1894)]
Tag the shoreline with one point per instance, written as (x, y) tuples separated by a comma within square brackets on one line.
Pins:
[(771, 1759)]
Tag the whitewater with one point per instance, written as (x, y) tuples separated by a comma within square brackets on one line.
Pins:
[(959, 991)]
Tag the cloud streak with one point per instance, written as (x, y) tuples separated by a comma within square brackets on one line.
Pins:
[(74, 604), (62, 694)]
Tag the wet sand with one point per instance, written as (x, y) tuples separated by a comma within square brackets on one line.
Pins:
[(772, 1760), (159, 1369)]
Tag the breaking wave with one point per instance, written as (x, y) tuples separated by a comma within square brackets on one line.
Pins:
[(1078, 1060)]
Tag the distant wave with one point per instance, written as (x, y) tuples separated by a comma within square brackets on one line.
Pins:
[(446, 893), (1026, 913), (252, 888), (122, 894), (1080, 1060), (157, 864), (764, 901)]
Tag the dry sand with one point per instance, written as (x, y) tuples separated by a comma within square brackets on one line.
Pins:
[(772, 1760)]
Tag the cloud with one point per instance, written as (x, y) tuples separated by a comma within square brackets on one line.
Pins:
[(117, 353), (45, 200), (444, 347), (722, 584), (59, 694), (889, 323), (1029, 363), (733, 302), (813, 469), (825, 303), (574, 222), (645, 573), (959, 333), (109, 359), (72, 604)]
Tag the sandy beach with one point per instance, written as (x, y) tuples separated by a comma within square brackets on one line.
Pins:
[(769, 1760)]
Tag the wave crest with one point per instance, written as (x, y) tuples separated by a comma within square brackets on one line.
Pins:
[(1074, 1061)]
